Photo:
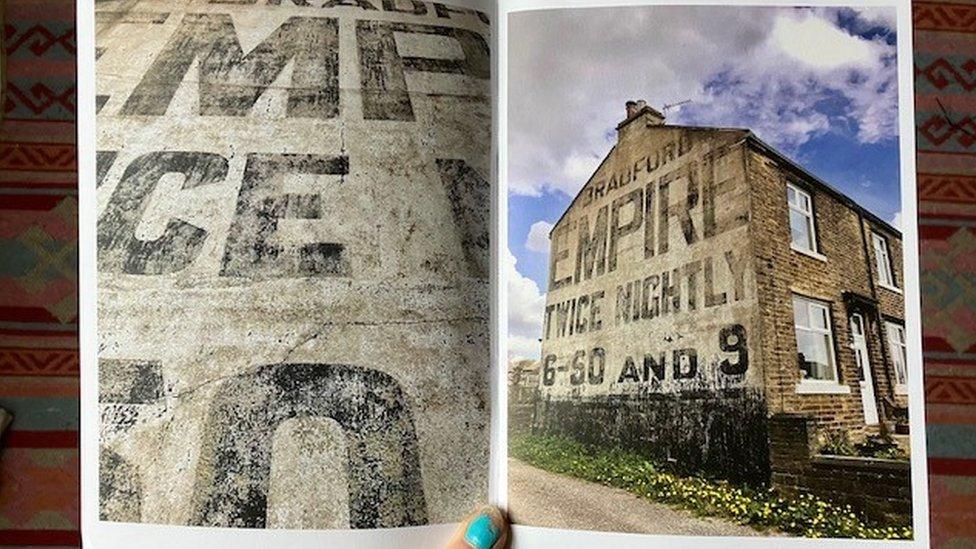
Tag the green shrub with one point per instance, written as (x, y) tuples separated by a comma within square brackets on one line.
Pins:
[(806, 515), (880, 446), (837, 443)]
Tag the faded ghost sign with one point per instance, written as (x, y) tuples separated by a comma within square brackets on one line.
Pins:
[(650, 273), (292, 248)]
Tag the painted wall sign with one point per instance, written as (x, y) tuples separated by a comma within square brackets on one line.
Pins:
[(653, 368), (649, 341), (293, 261), (650, 212), (650, 282)]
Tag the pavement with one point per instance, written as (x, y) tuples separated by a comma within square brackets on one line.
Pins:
[(541, 498)]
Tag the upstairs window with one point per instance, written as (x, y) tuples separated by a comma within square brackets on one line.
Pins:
[(814, 340), (802, 232), (882, 260)]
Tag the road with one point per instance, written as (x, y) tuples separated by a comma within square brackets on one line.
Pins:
[(540, 498)]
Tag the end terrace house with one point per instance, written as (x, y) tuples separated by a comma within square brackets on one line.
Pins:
[(702, 282)]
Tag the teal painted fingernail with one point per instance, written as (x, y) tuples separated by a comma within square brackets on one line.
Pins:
[(481, 533)]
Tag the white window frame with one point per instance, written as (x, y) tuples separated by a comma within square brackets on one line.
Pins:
[(882, 262), (819, 386), (898, 351), (812, 251)]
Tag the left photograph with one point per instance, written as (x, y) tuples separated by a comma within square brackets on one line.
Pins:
[(293, 262)]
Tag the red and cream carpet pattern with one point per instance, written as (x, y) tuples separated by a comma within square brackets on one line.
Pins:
[(39, 466), (945, 117)]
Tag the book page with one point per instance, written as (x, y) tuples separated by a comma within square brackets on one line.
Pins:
[(285, 270), (711, 278)]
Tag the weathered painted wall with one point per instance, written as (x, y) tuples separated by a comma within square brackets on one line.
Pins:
[(293, 261), (649, 337)]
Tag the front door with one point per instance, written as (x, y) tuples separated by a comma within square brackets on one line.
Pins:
[(860, 346)]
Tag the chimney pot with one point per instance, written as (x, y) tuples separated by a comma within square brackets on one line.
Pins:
[(639, 108), (632, 109), (635, 107)]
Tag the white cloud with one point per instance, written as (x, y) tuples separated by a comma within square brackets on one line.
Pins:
[(783, 72), (820, 44), (538, 239), (525, 187), (579, 167), (808, 61), (520, 347), (526, 308), (868, 18)]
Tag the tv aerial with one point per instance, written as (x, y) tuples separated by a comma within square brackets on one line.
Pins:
[(669, 106)]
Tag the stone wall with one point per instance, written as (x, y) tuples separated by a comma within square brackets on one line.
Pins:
[(891, 307), (843, 277), (651, 287), (879, 489)]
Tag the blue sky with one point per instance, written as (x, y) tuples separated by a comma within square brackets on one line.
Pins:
[(818, 84)]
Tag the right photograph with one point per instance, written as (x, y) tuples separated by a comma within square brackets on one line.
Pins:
[(706, 283)]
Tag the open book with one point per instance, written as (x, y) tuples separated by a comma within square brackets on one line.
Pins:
[(639, 274)]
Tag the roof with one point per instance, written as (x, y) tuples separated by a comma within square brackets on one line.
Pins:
[(647, 109), (763, 147), (820, 183)]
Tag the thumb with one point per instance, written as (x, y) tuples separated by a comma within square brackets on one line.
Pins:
[(485, 529)]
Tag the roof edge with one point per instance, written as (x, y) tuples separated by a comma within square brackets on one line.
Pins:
[(744, 131), (582, 188), (753, 139), (646, 110)]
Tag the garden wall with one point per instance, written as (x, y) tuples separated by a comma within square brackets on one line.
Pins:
[(880, 489)]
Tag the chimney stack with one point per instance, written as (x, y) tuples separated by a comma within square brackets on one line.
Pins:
[(631, 109), (638, 108), (635, 107)]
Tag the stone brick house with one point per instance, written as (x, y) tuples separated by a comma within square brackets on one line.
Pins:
[(702, 282), (523, 386)]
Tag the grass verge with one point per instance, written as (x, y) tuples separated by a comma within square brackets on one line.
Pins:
[(805, 516)]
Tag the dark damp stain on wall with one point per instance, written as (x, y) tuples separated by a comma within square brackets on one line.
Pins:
[(721, 433)]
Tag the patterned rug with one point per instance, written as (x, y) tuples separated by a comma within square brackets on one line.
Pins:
[(39, 496), (945, 78)]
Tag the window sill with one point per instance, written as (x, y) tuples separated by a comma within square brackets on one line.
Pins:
[(808, 253), (890, 288), (822, 388)]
